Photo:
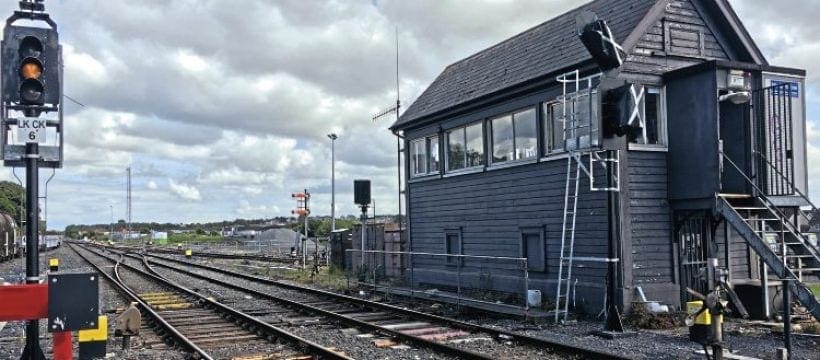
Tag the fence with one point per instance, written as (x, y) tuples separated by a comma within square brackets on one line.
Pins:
[(478, 280)]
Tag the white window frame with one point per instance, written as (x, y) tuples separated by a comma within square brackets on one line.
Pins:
[(463, 130), (663, 136), (426, 144), (491, 137)]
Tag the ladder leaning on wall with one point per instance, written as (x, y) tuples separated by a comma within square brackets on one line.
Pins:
[(576, 167)]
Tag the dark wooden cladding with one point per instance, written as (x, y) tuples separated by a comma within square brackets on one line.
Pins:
[(681, 33), (492, 207), (651, 218)]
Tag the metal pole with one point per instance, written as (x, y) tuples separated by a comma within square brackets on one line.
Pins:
[(304, 240), (128, 198), (111, 224), (364, 227), (787, 318), (333, 138), (526, 290), (32, 350), (717, 324)]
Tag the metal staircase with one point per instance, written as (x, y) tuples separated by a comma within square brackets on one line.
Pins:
[(576, 168), (775, 235)]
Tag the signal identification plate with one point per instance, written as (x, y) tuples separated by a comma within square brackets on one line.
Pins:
[(31, 130)]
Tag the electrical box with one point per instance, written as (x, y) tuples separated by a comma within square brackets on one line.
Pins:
[(73, 301)]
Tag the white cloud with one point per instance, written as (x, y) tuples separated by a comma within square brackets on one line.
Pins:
[(233, 114), (184, 191)]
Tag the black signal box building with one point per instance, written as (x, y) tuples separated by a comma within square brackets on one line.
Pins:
[(706, 159)]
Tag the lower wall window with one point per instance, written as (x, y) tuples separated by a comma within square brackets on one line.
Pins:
[(452, 245), (532, 248)]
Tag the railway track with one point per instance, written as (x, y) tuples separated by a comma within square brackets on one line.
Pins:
[(445, 335), (203, 327), (254, 257)]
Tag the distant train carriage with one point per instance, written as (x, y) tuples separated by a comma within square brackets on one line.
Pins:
[(9, 243)]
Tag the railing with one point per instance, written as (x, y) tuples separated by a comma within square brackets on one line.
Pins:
[(775, 210), (810, 220), (773, 129), (491, 281)]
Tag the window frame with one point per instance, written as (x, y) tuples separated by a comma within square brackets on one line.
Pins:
[(548, 122), (463, 130), (450, 261), (663, 116), (491, 136), (427, 146), (542, 247)]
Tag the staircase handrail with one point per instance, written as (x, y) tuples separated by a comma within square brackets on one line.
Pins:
[(796, 190), (774, 209)]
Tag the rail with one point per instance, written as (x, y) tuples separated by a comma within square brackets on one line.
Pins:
[(583, 352), (814, 210), (178, 337), (313, 348)]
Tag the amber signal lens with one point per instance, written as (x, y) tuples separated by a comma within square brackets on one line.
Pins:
[(31, 70)]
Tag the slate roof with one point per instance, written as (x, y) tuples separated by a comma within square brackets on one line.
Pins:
[(539, 51)]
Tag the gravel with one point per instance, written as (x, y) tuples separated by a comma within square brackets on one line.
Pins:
[(317, 329), (741, 337), (490, 347)]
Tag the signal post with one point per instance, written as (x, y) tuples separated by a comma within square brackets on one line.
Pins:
[(303, 210), (32, 73)]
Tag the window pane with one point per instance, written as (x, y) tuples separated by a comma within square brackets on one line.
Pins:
[(533, 251), (434, 155), (419, 157), (502, 139), (452, 246), (582, 121), (475, 145), (652, 113), (558, 132), (526, 135), (455, 149), (595, 118)]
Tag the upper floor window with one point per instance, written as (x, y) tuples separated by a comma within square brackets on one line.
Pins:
[(571, 124), (424, 154), (652, 121), (465, 147), (514, 137)]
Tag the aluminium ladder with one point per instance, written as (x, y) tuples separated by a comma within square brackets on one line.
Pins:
[(575, 165)]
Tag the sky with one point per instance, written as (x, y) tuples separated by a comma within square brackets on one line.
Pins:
[(222, 108)]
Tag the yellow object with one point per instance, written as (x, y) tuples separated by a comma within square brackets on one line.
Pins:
[(53, 262), (98, 334), (188, 252), (704, 318)]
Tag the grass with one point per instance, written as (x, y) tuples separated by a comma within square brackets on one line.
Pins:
[(815, 288), (191, 237), (331, 277)]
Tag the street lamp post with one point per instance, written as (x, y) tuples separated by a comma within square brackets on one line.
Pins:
[(111, 224), (332, 137)]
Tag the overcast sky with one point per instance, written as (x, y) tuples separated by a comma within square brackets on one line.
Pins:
[(222, 108)]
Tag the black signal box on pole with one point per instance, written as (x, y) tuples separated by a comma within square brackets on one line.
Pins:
[(361, 192)]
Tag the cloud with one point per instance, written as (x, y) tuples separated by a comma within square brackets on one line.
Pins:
[(233, 114), (185, 192)]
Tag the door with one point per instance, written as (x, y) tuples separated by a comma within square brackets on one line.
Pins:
[(736, 142)]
